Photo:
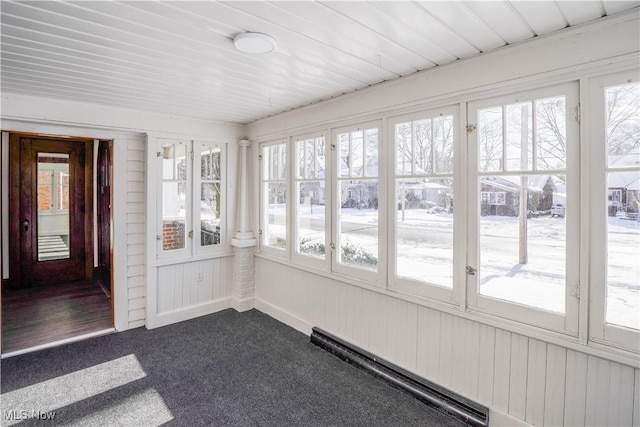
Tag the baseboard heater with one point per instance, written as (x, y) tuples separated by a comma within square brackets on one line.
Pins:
[(443, 400)]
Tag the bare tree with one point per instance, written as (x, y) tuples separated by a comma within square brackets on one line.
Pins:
[(490, 139), (623, 119), (551, 133)]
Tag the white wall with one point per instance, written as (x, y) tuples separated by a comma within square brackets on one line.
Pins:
[(128, 129), (529, 375), (530, 379)]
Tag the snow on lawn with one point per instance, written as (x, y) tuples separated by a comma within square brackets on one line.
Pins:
[(425, 243)]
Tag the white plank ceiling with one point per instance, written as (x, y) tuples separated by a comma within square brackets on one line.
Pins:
[(178, 58)]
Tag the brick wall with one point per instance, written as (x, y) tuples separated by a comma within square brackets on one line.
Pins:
[(173, 235)]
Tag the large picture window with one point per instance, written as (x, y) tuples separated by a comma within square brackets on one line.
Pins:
[(273, 227), (357, 195), (524, 145), (615, 210), (423, 233), (312, 197), (522, 218)]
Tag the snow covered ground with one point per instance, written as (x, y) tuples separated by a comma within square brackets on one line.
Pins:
[(425, 242)]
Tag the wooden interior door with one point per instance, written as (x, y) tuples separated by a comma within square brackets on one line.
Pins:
[(103, 177), (54, 216)]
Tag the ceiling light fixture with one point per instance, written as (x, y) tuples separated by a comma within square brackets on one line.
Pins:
[(254, 43)]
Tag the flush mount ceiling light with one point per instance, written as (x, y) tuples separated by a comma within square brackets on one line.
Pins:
[(254, 43)]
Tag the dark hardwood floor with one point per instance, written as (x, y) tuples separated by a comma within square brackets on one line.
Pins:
[(33, 317)]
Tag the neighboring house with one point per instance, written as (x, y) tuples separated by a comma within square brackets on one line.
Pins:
[(623, 188), (501, 195), (361, 194)]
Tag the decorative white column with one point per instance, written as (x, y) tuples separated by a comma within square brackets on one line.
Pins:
[(243, 241)]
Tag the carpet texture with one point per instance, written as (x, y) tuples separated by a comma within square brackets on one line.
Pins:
[(225, 369)]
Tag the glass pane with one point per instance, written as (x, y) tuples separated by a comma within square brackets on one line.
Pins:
[(174, 161), (345, 156), (357, 153), (275, 233), (424, 230), (551, 133), (423, 147), (519, 137), (271, 160), (371, 149), (311, 218), (523, 240), (300, 158), (623, 249), (210, 214), (358, 224), (320, 157), (623, 125), (174, 196), (490, 139), (62, 195), (210, 164), (404, 155), (45, 190), (310, 158), (282, 161), (52, 201), (443, 144)]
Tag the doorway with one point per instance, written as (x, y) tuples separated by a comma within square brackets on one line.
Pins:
[(57, 288)]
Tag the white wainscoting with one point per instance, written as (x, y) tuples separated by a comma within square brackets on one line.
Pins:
[(529, 379), (190, 289)]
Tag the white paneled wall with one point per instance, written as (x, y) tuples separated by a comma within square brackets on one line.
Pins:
[(181, 286), (529, 379), (189, 289), (136, 224)]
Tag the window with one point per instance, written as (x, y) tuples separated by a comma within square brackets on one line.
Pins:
[(493, 197), (423, 233), (524, 152), (191, 198), (312, 196), (357, 198), (209, 191), (174, 195), (273, 227), (615, 170), (523, 219)]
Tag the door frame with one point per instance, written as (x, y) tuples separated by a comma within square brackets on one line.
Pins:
[(119, 155), (15, 278)]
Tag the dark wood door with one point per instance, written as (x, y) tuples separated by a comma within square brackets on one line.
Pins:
[(103, 177), (53, 210)]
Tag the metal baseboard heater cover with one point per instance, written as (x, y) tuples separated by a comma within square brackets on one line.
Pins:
[(443, 400)]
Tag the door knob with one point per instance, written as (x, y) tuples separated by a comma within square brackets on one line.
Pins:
[(25, 225)]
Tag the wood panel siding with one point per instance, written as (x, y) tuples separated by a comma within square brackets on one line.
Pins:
[(532, 380), (136, 229)]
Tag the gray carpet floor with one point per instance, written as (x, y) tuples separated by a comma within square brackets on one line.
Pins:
[(225, 369)]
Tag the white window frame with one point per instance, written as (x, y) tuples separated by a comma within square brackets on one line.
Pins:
[(404, 284), (297, 257), (186, 250), (198, 148), (371, 277), (192, 248), (596, 174), (263, 221), (566, 323)]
